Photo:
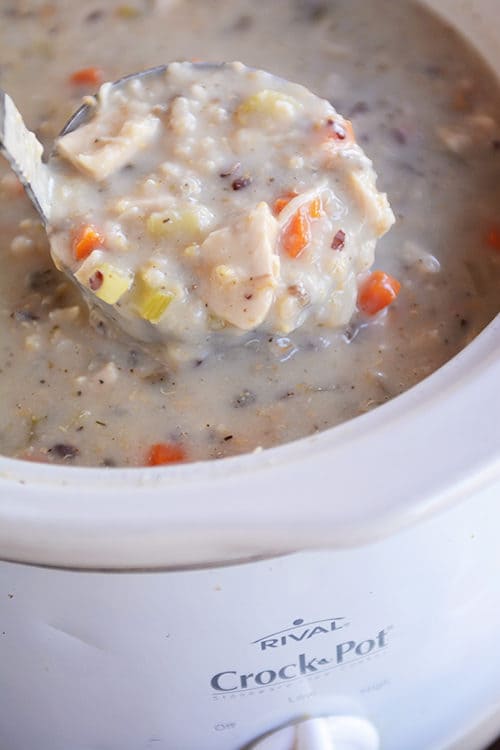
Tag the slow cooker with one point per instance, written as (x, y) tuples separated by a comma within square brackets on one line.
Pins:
[(342, 591)]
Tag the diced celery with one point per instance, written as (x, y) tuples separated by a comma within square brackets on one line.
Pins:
[(107, 282), (150, 301), (127, 11), (154, 306), (114, 285), (188, 224), (267, 104)]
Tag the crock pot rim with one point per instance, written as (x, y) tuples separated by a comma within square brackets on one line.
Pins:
[(130, 524)]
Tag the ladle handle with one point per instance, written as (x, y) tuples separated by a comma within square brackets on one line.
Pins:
[(23, 151)]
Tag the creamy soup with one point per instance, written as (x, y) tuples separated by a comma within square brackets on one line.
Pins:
[(201, 202), (427, 114)]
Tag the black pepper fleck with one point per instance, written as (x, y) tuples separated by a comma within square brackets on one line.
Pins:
[(312, 11), (43, 280), (359, 108), (94, 16), (399, 136), (64, 451), (243, 23)]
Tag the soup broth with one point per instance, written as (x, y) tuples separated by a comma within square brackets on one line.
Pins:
[(427, 114)]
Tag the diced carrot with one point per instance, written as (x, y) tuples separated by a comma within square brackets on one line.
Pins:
[(315, 208), (165, 453), (377, 292), (86, 240), (282, 201), (87, 77), (297, 234), (493, 238)]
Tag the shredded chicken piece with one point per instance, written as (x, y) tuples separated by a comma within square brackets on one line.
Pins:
[(102, 157), (239, 268)]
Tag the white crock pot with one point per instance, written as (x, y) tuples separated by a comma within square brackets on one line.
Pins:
[(170, 609)]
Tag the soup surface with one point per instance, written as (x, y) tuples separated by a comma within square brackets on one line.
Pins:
[(426, 113)]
